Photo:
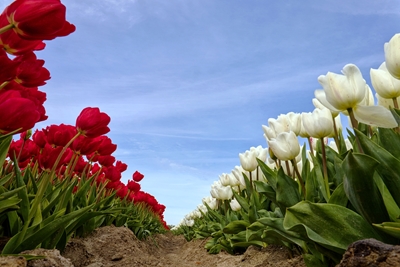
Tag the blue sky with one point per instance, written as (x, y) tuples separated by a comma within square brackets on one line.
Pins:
[(188, 83)]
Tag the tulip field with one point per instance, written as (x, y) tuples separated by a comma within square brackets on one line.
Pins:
[(315, 189), (61, 181)]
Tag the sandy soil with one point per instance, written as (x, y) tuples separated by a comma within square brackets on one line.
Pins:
[(117, 246)]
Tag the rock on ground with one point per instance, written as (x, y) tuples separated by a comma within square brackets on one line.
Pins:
[(371, 253)]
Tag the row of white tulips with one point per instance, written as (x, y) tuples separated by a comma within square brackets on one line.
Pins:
[(346, 93)]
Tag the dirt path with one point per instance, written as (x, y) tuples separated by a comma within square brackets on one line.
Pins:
[(118, 247)]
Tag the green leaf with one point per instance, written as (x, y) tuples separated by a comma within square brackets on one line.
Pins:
[(33, 240), (236, 227), (9, 204), (269, 174), (388, 167), (287, 190), (389, 140), (392, 228), (4, 145), (332, 226), (361, 189), (339, 196)]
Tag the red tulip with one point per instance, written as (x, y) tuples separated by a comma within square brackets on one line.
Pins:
[(8, 68), (30, 70), (84, 145), (106, 146), (106, 161), (92, 123), (39, 137), (49, 156), (38, 20), (137, 176), (133, 186), (60, 135), (16, 113)]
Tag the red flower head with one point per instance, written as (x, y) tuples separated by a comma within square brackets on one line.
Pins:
[(30, 71), (39, 137), (121, 166), (84, 145), (49, 156), (113, 174), (25, 149), (106, 146), (106, 161), (8, 68), (60, 135), (92, 123), (137, 176), (133, 186), (38, 20), (16, 112), (122, 191)]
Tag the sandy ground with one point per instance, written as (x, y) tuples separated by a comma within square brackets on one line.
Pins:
[(117, 246)]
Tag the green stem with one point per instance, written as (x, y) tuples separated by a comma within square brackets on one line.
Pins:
[(288, 168), (325, 169), (301, 181), (336, 135), (354, 123)]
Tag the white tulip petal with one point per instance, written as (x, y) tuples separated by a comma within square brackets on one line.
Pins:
[(375, 115)]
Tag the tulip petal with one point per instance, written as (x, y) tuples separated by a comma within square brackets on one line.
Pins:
[(375, 115)]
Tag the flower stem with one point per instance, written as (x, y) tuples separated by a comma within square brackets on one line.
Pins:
[(354, 123), (310, 145), (395, 103), (288, 168), (325, 169), (296, 170), (336, 135)]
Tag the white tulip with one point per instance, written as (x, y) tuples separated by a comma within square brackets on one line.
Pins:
[(221, 192), (349, 91), (235, 206), (384, 83), (319, 123), (285, 146), (211, 202), (392, 56)]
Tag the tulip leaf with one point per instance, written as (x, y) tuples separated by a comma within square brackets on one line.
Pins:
[(338, 196), (37, 237), (396, 114), (9, 204), (269, 174), (332, 226), (236, 227), (22, 194), (390, 140), (275, 229), (391, 206), (287, 191), (361, 189), (388, 168), (391, 228), (4, 145)]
